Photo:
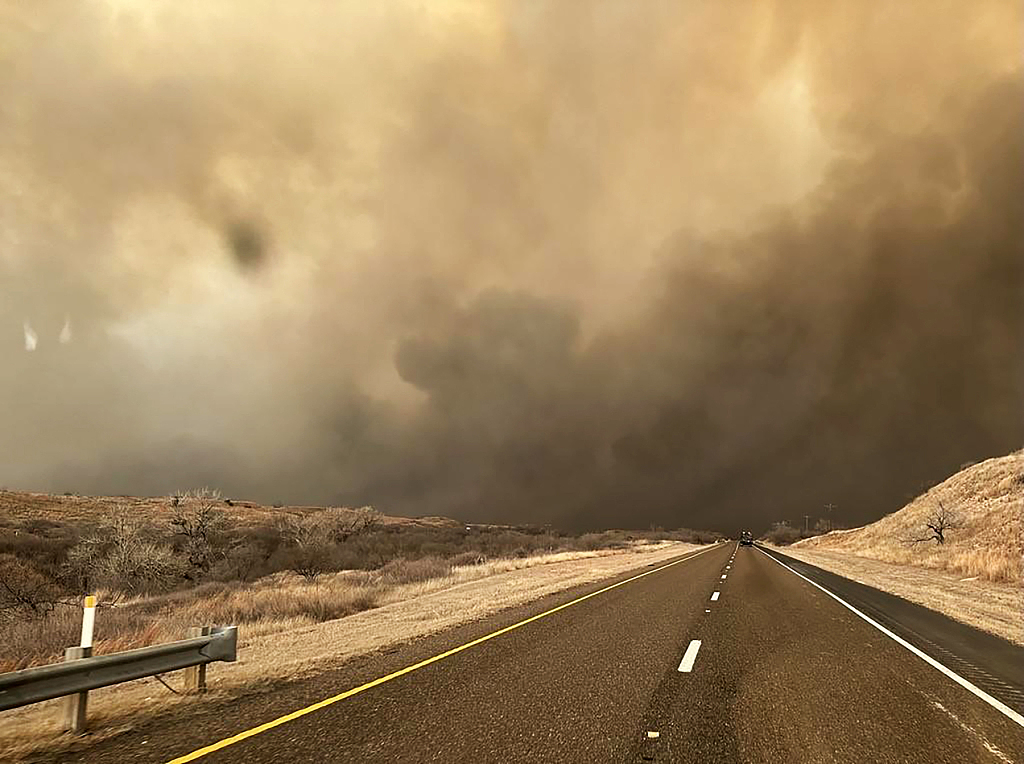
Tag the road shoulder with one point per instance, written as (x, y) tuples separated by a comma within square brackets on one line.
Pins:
[(992, 607)]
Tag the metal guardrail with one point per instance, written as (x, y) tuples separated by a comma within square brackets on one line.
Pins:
[(33, 685)]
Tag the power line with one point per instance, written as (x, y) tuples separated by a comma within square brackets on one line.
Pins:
[(828, 514)]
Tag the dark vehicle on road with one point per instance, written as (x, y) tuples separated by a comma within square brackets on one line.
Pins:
[(747, 538)]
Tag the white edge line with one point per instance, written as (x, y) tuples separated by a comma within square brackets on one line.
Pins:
[(686, 664), (1004, 709)]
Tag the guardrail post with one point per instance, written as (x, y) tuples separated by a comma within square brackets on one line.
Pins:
[(195, 676), (75, 705), (81, 672)]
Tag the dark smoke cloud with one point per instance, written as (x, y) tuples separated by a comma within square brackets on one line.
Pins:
[(247, 243), (591, 264)]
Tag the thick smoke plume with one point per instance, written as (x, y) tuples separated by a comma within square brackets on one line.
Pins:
[(594, 264)]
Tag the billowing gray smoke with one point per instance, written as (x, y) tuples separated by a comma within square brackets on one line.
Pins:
[(591, 264)]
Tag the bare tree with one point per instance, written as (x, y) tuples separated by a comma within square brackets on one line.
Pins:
[(309, 537), (939, 521), (122, 557), (196, 522)]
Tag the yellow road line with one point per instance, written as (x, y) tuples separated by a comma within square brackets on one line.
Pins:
[(197, 754)]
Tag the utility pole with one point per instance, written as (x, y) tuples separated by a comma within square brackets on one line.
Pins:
[(807, 520), (828, 514)]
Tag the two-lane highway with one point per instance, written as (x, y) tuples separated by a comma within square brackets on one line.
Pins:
[(725, 655)]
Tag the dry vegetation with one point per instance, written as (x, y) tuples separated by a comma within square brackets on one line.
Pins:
[(162, 565), (986, 539)]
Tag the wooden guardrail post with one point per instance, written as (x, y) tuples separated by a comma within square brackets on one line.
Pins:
[(195, 676), (75, 705)]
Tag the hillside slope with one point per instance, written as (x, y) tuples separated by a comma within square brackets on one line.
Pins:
[(23, 506), (988, 498)]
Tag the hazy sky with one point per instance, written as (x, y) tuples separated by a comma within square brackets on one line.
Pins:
[(587, 263)]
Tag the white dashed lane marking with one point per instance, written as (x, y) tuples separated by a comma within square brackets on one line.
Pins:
[(686, 664)]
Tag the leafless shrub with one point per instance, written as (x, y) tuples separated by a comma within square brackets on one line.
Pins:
[(783, 534), (121, 557), (342, 524), (309, 538), (243, 561), (195, 523), (938, 523), (25, 592), (313, 538)]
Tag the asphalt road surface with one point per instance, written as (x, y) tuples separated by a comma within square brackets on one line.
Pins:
[(726, 655)]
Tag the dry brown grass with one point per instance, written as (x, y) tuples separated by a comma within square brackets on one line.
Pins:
[(279, 601), (295, 646), (989, 497)]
